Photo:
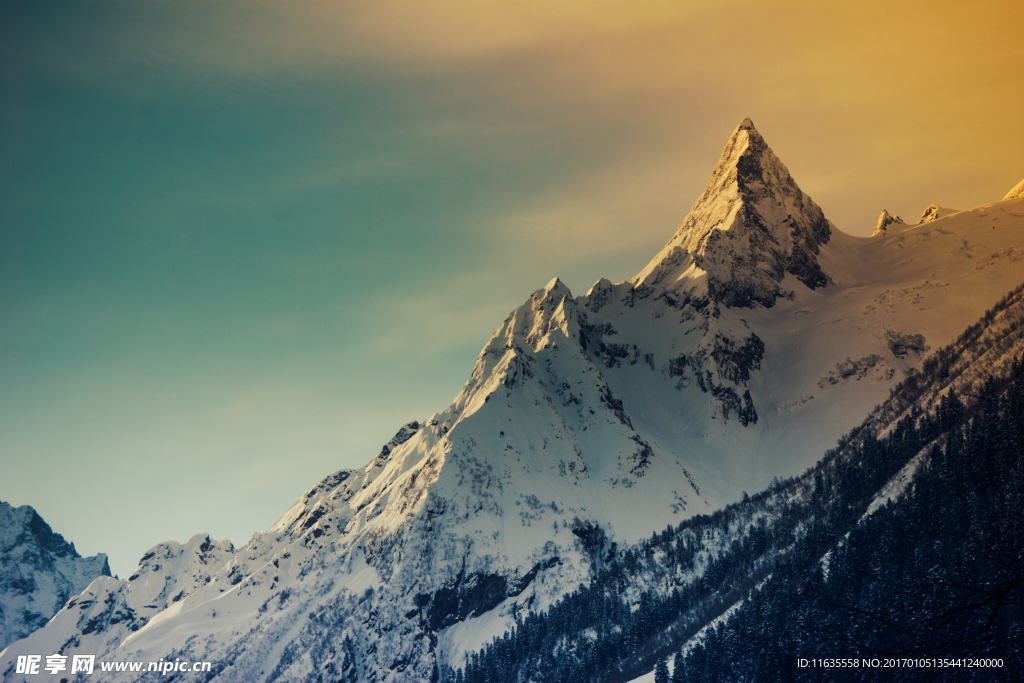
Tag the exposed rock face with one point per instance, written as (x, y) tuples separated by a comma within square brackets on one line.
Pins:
[(933, 213), (39, 572), (902, 343), (885, 220), (751, 227), (1016, 193)]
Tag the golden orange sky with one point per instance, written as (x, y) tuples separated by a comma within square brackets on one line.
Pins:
[(871, 104)]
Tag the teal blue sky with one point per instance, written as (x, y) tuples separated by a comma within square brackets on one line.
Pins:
[(242, 242)]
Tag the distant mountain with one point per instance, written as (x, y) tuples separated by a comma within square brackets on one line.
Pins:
[(39, 572), (753, 340)]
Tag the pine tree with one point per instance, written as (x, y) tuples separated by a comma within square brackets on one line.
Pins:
[(661, 671), (677, 667)]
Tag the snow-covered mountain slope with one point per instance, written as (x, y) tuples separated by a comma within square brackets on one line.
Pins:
[(758, 335), (39, 571)]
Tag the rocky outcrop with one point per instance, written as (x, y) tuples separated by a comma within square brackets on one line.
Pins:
[(885, 221), (933, 213)]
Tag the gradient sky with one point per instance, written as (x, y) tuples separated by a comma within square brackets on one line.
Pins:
[(242, 242)]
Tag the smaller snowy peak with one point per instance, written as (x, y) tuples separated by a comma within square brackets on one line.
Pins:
[(934, 213), (885, 220), (600, 295), (549, 317), (556, 286), (39, 572), (1016, 193), (547, 309), (553, 292), (171, 571)]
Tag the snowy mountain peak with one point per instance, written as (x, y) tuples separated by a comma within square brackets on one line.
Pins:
[(39, 571), (553, 293), (557, 288), (1016, 193), (886, 219), (751, 227)]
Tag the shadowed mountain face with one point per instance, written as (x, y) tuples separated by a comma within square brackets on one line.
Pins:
[(39, 572), (755, 338)]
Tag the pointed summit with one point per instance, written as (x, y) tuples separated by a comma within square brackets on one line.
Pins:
[(556, 286), (1016, 193), (885, 219), (751, 227)]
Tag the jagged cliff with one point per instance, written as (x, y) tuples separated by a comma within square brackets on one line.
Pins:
[(39, 572)]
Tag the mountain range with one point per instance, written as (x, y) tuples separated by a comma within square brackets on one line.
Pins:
[(758, 336)]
